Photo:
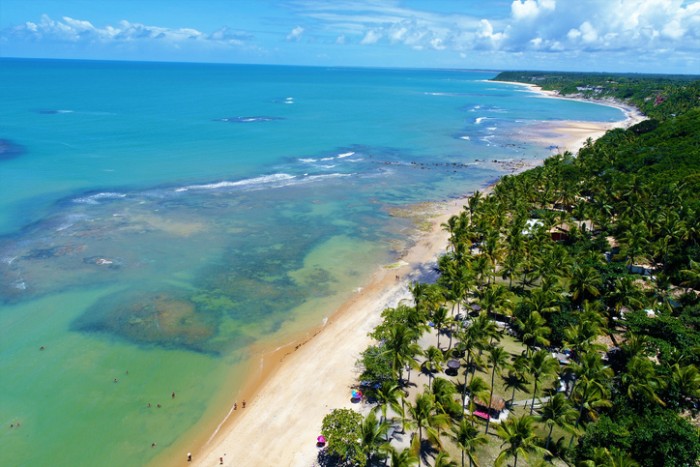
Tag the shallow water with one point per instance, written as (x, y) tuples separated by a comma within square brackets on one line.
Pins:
[(159, 219)]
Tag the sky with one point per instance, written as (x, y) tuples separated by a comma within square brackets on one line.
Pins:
[(646, 36)]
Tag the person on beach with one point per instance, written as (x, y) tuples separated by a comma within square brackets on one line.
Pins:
[(189, 457), (235, 406), (244, 403), (221, 461)]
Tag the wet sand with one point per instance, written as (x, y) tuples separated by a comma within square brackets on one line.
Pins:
[(297, 384)]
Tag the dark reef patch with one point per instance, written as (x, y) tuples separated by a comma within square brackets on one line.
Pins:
[(166, 319), (10, 150)]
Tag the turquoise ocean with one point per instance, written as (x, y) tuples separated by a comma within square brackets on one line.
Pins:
[(157, 220)]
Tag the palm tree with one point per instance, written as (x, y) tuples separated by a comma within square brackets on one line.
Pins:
[(467, 438), (498, 358), (471, 339), (602, 457), (389, 395), (441, 319), (591, 390), (403, 458), (634, 242), (474, 202), (444, 392), (519, 439), (424, 417), (373, 436), (590, 395), (443, 460), (691, 275), (686, 379), (533, 331), (585, 284), (433, 361), (558, 411), (622, 293), (401, 348), (541, 365), (640, 380), (516, 378), (493, 298), (580, 336)]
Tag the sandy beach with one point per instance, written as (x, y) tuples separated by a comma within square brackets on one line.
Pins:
[(571, 135), (303, 381)]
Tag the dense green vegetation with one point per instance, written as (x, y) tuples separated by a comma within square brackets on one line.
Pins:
[(598, 254)]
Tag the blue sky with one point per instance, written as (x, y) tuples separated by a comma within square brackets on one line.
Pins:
[(658, 36)]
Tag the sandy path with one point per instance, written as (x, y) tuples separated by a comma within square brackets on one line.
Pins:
[(281, 421)]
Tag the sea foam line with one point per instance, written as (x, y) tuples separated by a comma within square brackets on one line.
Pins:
[(265, 179), (95, 199)]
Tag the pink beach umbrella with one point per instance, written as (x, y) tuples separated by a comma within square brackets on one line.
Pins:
[(321, 440)]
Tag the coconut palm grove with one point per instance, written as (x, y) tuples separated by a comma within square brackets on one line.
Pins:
[(564, 324)]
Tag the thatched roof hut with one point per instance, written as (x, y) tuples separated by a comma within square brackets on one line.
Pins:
[(497, 403)]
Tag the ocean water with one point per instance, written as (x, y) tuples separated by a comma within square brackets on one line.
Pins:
[(158, 221)]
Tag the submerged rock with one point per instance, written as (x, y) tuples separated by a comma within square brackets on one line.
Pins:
[(166, 319)]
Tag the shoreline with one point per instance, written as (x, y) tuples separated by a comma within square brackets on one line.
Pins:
[(300, 382), (572, 133)]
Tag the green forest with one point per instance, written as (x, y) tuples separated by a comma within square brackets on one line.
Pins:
[(564, 326)]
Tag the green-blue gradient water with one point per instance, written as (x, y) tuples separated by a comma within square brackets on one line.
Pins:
[(157, 220)]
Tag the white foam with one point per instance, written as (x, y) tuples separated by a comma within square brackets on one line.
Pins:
[(465, 138), (478, 120), (308, 160), (95, 199), (65, 226), (265, 179), (8, 260), (345, 154), (321, 177)]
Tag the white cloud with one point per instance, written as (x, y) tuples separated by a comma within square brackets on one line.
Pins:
[(529, 9), (619, 28), (372, 37), (295, 34), (84, 32)]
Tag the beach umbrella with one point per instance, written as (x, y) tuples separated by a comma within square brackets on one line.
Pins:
[(321, 440), (453, 364), (356, 394)]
